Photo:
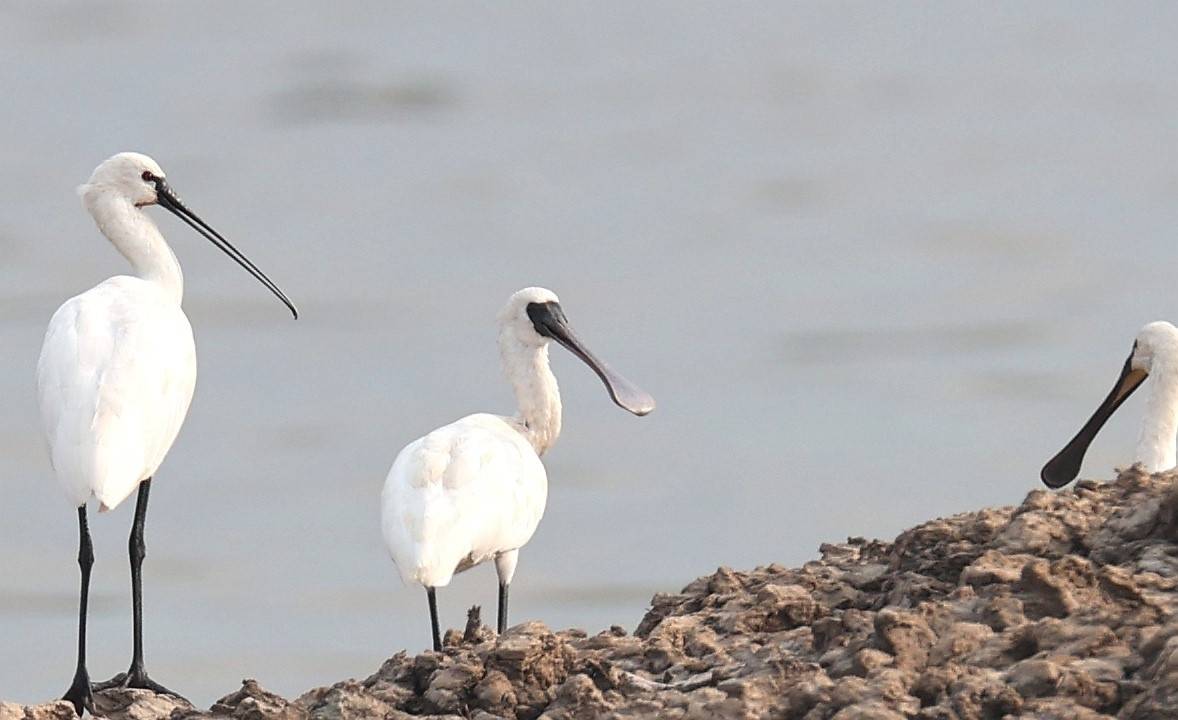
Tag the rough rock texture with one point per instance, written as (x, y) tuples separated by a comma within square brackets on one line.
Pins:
[(1060, 609)]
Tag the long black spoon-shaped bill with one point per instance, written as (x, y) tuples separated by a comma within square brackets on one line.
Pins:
[(167, 199), (549, 320), (1065, 466)]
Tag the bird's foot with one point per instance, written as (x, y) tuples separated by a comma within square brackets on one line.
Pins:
[(80, 694), (114, 682), (137, 679)]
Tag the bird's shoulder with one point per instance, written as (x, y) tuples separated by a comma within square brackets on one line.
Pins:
[(120, 324), (474, 446), (121, 303), (477, 433)]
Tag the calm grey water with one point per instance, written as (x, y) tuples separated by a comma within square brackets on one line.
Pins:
[(877, 263)]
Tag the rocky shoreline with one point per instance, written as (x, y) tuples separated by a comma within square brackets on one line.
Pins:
[(1062, 608)]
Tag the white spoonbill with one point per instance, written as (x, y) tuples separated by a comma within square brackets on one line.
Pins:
[(116, 376), (475, 489), (1155, 353)]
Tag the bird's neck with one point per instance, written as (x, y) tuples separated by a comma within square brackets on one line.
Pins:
[(134, 235), (535, 388), (1159, 430)]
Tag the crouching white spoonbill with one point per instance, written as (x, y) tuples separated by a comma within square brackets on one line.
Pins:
[(116, 376), (475, 489), (1155, 353)]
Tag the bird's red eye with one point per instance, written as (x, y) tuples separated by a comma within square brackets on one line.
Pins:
[(147, 176)]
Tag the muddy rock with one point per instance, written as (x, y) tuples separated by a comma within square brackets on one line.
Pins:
[(1065, 607), (906, 636), (60, 710)]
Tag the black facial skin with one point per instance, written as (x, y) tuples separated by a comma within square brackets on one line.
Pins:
[(545, 316), (167, 199), (549, 320)]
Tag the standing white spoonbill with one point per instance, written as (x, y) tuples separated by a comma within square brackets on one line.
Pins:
[(475, 489), (116, 376), (1155, 353)]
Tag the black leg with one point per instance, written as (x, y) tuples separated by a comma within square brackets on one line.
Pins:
[(137, 550), (433, 618), (79, 693), (502, 624), (137, 677)]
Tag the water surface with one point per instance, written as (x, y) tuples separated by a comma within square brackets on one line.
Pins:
[(877, 263)]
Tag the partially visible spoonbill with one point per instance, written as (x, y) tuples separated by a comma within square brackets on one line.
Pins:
[(116, 376), (1154, 354), (474, 490)]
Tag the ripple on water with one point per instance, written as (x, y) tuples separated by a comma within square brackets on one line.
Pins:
[(25, 603), (807, 347), (339, 100)]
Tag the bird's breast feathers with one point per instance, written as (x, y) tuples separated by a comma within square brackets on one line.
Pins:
[(472, 488), (115, 378)]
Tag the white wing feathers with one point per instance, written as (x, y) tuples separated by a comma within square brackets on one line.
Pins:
[(115, 379), (459, 496)]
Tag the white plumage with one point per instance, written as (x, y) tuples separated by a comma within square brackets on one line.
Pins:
[(115, 379), (461, 495), (474, 490), (116, 375)]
